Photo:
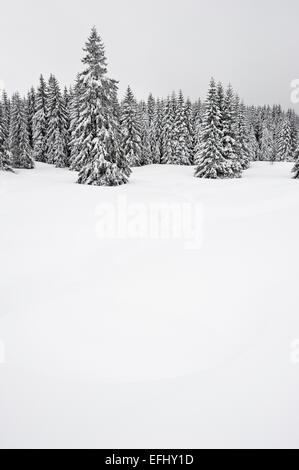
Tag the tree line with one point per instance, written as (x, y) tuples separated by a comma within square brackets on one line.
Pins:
[(87, 129)]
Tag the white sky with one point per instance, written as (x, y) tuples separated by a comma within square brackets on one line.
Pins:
[(157, 45)]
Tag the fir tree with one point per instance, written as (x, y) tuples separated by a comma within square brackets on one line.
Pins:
[(267, 145), (253, 144), (229, 143), (197, 120), (131, 129), (99, 157), (57, 131), (285, 146), (158, 131), (168, 152), (6, 109), (31, 108), (74, 116), (151, 111), (296, 166), (40, 123), (211, 162), (291, 116), (242, 138), (191, 130), (5, 160), (145, 135), (19, 145), (181, 152)]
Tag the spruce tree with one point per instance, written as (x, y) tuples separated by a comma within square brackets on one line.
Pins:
[(31, 108), (168, 151), (158, 131), (293, 120), (74, 116), (19, 145), (253, 144), (40, 124), (211, 162), (67, 98), (57, 129), (267, 145), (131, 129), (151, 112), (181, 151), (99, 159), (6, 109), (191, 130), (285, 146), (145, 135), (197, 120), (229, 142), (296, 166), (5, 160), (242, 138)]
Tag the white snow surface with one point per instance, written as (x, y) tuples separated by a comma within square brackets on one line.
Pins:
[(144, 343)]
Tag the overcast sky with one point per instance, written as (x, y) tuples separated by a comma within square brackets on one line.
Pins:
[(157, 45)]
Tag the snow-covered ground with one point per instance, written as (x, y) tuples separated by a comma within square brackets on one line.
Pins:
[(125, 343)]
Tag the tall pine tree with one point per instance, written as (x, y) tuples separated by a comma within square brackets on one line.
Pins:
[(5, 160), (99, 158), (181, 151), (40, 124), (229, 142), (242, 138), (296, 166), (211, 162), (31, 108), (19, 145), (285, 145), (57, 132), (131, 129)]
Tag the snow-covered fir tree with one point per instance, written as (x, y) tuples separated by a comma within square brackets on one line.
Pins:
[(181, 140), (197, 111), (267, 144), (151, 112), (168, 140), (57, 129), (293, 120), (229, 142), (131, 130), (5, 158), (295, 169), (158, 131), (197, 120), (40, 124), (74, 116), (285, 145), (67, 99), (242, 138), (253, 145), (99, 159), (211, 162), (19, 145), (6, 109), (31, 108), (145, 135), (191, 129)]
